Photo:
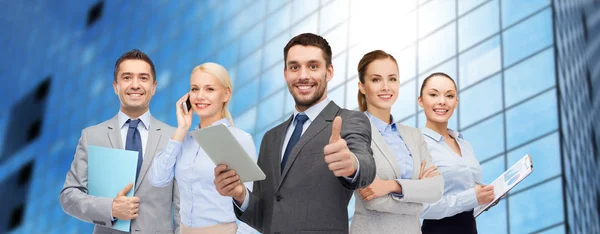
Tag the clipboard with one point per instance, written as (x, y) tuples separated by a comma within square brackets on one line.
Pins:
[(222, 148), (508, 180)]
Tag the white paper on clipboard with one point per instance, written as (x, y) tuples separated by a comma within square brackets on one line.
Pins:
[(511, 177), (222, 148)]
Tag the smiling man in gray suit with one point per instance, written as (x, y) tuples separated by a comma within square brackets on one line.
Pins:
[(313, 161), (133, 128)]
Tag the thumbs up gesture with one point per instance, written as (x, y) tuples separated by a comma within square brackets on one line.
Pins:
[(123, 207), (337, 155)]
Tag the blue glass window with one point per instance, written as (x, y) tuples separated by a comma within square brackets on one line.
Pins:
[(337, 95), (411, 121), (531, 119), (273, 55), (246, 121), (227, 56), (480, 101), (248, 68), (251, 40), (272, 80), (407, 63), (434, 14), (515, 10), (466, 5), (492, 168), (352, 94), (545, 154), (520, 42), (479, 62), (406, 103), (537, 208), (278, 22), (270, 110), (301, 9), (487, 138), (245, 97), (309, 24), (529, 77), (494, 220), (333, 14), (339, 70), (437, 47), (477, 25)]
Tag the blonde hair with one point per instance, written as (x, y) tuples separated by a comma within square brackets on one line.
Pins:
[(222, 75)]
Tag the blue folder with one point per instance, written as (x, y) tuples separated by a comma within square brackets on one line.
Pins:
[(109, 171)]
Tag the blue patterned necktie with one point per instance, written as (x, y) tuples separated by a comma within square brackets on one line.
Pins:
[(300, 120), (134, 142)]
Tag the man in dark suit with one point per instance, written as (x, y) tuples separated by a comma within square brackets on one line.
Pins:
[(313, 160)]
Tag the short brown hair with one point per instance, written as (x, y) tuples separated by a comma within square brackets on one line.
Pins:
[(134, 54), (363, 65), (309, 39), (436, 74)]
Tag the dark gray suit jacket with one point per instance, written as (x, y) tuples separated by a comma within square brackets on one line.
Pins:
[(307, 197), (155, 214)]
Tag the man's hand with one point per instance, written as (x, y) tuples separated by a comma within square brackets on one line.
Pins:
[(228, 184), (337, 155), (123, 207)]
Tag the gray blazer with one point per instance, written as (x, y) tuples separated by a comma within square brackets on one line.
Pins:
[(155, 214), (390, 214), (306, 197)]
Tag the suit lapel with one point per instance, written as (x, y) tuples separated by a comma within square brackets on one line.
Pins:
[(154, 138), (278, 139), (323, 119), (413, 148), (380, 143), (114, 133)]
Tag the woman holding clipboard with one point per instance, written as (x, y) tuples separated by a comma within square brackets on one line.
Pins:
[(203, 210), (454, 158)]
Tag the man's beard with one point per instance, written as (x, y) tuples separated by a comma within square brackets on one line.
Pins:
[(317, 95)]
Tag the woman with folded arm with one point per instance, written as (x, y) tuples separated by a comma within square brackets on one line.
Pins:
[(406, 177)]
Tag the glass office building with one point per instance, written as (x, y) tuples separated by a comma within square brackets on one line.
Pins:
[(527, 75)]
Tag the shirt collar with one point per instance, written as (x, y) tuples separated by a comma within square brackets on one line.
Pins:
[(145, 119), (224, 121), (314, 110), (381, 125), (437, 137)]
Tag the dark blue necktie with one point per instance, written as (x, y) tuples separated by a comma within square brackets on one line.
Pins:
[(134, 142), (300, 120)]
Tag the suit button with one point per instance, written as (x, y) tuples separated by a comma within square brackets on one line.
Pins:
[(364, 183), (278, 198)]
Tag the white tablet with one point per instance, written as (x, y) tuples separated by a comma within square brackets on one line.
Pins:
[(222, 148)]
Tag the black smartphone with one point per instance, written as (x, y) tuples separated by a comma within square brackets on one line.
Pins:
[(187, 106)]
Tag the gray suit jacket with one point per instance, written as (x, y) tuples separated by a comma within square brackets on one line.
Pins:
[(155, 213), (390, 214), (306, 197)]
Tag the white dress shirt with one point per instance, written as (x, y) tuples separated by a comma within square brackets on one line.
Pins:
[(460, 174), (201, 204), (142, 127)]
